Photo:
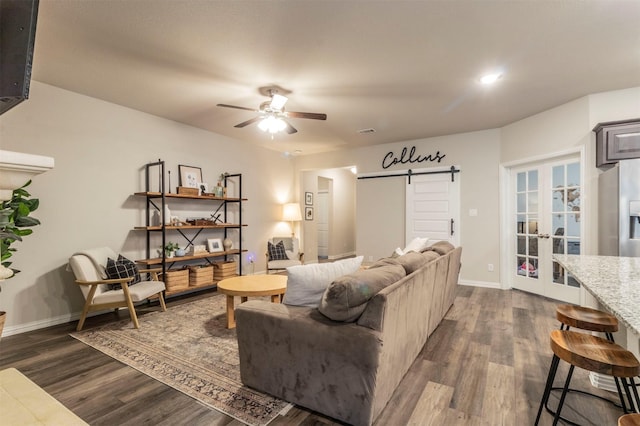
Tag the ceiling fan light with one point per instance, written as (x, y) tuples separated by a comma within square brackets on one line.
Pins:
[(272, 124), (278, 101)]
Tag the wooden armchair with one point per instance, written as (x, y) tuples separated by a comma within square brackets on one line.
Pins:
[(89, 268), (293, 254)]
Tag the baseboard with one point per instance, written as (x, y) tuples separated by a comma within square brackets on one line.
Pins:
[(36, 325), (485, 284)]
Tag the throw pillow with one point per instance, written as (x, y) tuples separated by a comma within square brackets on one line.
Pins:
[(122, 268), (346, 298), (307, 283), (276, 251), (417, 244)]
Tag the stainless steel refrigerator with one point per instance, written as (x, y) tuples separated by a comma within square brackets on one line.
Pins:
[(619, 210)]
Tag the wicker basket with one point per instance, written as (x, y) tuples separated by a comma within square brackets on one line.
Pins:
[(200, 275), (177, 280), (222, 270)]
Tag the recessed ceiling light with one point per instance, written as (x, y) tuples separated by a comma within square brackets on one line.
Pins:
[(490, 78)]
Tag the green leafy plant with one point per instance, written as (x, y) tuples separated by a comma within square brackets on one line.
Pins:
[(171, 247), (16, 221)]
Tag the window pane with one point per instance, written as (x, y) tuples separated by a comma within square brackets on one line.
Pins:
[(573, 225), (558, 177), (533, 225), (558, 204), (558, 273), (522, 182), (573, 174), (573, 246), (521, 219), (522, 245), (520, 265), (573, 199), (533, 246), (533, 268), (557, 225), (533, 180), (533, 202), (522, 203), (558, 245), (572, 281)]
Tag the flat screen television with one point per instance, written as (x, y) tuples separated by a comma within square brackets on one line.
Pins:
[(17, 36)]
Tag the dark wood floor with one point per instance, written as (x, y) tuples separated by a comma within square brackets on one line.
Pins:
[(485, 365)]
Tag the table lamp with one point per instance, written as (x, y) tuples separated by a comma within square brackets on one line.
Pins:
[(291, 213)]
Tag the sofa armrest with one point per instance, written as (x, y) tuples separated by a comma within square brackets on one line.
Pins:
[(297, 354)]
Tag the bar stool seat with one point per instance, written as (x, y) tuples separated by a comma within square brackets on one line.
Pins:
[(629, 420), (593, 354), (586, 318)]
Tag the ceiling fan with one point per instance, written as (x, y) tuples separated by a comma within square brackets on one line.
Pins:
[(272, 114)]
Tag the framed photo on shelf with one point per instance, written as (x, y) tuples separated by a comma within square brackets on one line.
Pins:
[(189, 176), (308, 213), (214, 245), (308, 198)]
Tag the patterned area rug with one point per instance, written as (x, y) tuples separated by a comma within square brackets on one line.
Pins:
[(190, 349)]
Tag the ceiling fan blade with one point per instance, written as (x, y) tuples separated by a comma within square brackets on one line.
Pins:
[(237, 107), (246, 123), (290, 129), (311, 115)]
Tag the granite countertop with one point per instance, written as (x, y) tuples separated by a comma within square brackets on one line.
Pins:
[(613, 281)]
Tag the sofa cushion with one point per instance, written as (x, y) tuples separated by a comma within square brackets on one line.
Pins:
[(411, 261), (307, 283), (385, 261), (346, 297), (442, 247), (429, 255), (276, 251), (121, 268)]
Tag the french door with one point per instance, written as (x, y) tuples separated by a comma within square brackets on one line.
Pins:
[(545, 220)]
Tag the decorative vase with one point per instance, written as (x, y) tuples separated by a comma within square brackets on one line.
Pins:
[(180, 252), (169, 254), (227, 244)]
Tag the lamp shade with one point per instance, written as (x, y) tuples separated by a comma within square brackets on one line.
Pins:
[(291, 212)]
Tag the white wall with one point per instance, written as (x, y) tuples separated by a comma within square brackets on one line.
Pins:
[(87, 199), (380, 202)]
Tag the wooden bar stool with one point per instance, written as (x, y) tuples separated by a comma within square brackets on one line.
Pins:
[(590, 353), (586, 319), (629, 420)]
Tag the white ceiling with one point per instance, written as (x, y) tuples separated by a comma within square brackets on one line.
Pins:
[(408, 69)]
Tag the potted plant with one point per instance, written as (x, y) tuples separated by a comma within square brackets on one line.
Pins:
[(15, 221), (170, 249)]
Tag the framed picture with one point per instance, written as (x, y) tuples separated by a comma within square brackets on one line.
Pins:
[(214, 245), (189, 176), (203, 188), (308, 199), (308, 213)]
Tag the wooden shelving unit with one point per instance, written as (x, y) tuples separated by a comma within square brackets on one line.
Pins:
[(222, 203)]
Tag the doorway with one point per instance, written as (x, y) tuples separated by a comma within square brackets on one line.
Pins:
[(545, 218), (323, 216)]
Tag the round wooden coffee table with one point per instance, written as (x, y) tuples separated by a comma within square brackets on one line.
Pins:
[(251, 285)]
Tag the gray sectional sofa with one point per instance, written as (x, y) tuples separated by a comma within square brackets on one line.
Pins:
[(346, 358)]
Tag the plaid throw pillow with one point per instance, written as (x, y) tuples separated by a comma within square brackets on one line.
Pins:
[(276, 251), (122, 268)]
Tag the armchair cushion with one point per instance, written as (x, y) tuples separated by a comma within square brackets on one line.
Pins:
[(276, 251), (122, 268)]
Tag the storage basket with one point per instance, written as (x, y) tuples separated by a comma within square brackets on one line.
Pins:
[(176, 280), (222, 270), (200, 275)]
